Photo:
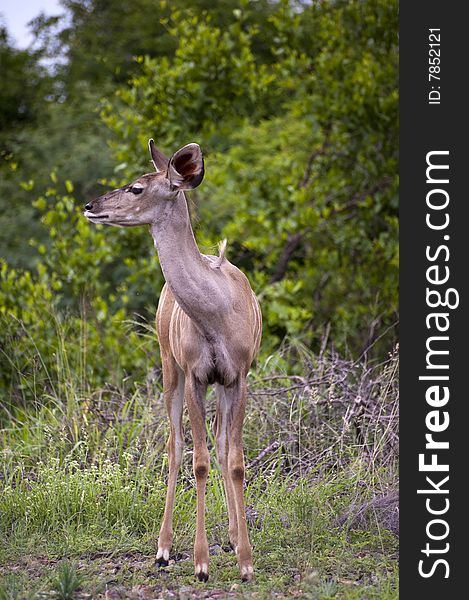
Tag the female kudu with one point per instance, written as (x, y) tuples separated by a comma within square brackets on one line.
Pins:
[(209, 329)]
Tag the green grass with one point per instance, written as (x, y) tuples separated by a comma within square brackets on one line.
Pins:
[(82, 487)]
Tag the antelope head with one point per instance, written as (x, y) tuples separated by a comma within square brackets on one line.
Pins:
[(141, 201)]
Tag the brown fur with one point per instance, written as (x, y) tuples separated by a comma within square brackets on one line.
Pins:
[(209, 328)]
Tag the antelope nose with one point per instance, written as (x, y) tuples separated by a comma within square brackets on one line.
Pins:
[(89, 206)]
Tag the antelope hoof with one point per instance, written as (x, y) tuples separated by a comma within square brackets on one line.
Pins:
[(201, 571), (162, 558), (247, 573), (245, 564)]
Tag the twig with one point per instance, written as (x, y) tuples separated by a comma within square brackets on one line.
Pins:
[(291, 246), (270, 448)]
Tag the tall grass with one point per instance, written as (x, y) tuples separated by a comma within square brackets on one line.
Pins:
[(83, 471)]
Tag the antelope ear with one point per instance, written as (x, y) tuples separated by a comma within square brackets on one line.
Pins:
[(186, 167), (158, 159)]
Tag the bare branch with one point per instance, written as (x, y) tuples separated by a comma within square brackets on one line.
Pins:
[(359, 196), (293, 242), (270, 448), (312, 157)]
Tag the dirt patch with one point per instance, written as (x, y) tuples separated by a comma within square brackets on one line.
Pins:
[(114, 575), (35, 567), (153, 592)]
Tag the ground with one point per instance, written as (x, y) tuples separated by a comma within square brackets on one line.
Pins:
[(82, 488)]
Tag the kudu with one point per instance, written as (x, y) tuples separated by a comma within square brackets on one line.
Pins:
[(209, 329)]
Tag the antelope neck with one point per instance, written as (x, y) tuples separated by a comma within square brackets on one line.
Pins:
[(186, 271)]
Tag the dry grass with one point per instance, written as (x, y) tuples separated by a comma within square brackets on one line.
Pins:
[(83, 480)]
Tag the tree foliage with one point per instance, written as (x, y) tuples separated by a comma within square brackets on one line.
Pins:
[(301, 157), (22, 82), (101, 38), (295, 107)]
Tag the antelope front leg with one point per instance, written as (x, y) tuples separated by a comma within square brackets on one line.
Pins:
[(236, 474), (174, 397), (194, 394), (221, 435)]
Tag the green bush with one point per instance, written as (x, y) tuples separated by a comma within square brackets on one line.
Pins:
[(301, 158), (64, 318), (301, 161)]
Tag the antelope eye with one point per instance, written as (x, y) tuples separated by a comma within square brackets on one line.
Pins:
[(136, 189)]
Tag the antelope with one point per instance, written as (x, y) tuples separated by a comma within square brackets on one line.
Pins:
[(209, 329)]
